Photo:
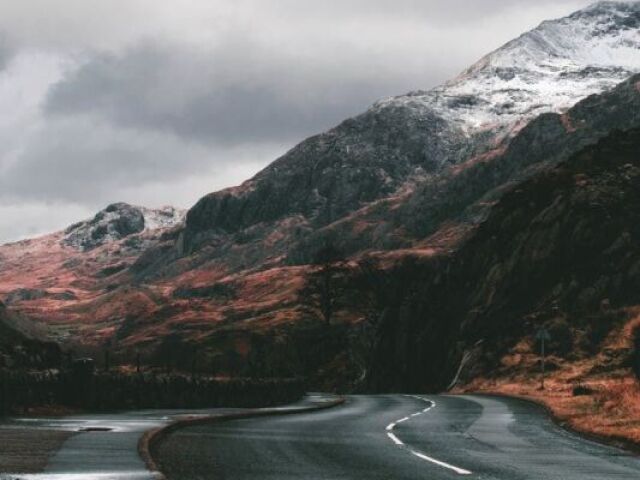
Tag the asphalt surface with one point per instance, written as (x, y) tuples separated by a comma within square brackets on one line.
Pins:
[(395, 437), (105, 446)]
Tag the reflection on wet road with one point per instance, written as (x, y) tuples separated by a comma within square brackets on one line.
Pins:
[(105, 446)]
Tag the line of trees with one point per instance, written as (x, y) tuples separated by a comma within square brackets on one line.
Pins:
[(21, 390), (362, 287)]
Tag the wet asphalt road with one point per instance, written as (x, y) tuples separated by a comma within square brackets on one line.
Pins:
[(395, 437), (105, 446)]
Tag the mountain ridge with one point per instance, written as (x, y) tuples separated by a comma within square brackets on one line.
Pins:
[(407, 138)]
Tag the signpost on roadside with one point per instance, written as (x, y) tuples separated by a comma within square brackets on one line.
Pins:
[(542, 336)]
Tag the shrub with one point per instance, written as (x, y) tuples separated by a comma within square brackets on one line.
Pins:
[(580, 390), (561, 337), (636, 351)]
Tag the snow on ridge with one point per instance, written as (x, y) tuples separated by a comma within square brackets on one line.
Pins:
[(547, 69), (163, 217), (118, 221)]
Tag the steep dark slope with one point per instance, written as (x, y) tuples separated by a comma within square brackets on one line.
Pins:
[(559, 247), (265, 265), (8, 333), (332, 174), (22, 344)]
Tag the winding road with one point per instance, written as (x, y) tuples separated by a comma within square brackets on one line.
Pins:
[(395, 437)]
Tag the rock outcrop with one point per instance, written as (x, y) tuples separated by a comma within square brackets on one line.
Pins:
[(118, 221)]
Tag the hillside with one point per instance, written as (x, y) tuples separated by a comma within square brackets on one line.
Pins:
[(59, 279), (556, 250)]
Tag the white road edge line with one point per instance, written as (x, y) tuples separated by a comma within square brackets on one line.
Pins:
[(397, 441)]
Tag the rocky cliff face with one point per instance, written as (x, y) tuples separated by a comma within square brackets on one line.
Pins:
[(461, 196)]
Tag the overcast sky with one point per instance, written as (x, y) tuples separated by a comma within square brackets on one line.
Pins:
[(158, 102)]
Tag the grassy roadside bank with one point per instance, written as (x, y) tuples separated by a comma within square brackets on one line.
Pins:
[(598, 395)]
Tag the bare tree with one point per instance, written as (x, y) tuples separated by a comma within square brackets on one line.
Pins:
[(323, 289)]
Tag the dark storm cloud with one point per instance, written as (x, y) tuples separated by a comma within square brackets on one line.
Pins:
[(81, 159), (236, 93)]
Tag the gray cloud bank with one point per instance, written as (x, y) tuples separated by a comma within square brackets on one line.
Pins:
[(233, 94)]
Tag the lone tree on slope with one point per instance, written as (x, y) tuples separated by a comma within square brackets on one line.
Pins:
[(323, 289)]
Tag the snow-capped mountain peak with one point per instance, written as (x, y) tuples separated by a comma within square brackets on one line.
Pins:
[(547, 69)]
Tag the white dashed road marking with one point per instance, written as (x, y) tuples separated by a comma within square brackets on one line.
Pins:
[(395, 439), (460, 471), (422, 456)]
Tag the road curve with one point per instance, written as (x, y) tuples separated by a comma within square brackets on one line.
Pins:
[(395, 437)]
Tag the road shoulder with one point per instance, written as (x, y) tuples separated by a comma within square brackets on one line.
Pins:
[(27, 450), (563, 421)]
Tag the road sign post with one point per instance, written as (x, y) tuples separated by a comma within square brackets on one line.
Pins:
[(542, 336)]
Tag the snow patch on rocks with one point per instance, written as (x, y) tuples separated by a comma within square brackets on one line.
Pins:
[(117, 221)]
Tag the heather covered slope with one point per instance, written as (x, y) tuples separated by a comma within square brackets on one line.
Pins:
[(62, 279)]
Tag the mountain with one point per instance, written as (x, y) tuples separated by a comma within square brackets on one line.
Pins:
[(54, 278), (118, 221), (547, 69), (407, 191), (403, 140)]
